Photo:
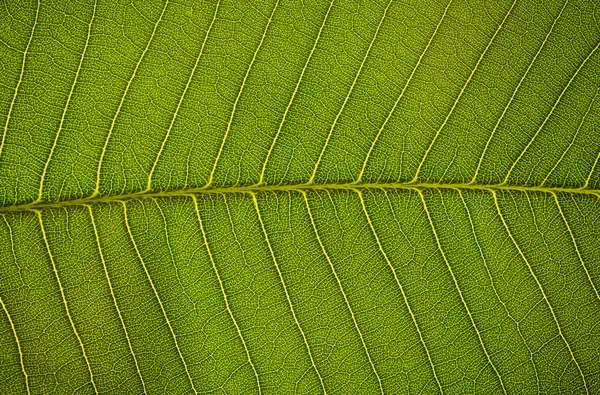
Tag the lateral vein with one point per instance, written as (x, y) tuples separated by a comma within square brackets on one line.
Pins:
[(462, 298), (181, 98), (14, 98), (341, 287), (114, 298), (14, 331), (237, 98), (162, 308), (406, 84), (493, 284), (222, 287), (66, 108), (564, 218), (539, 284), (114, 119), (358, 73), (404, 297), (287, 295), (469, 79), (287, 109), (64, 300), (562, 93), (506, 107)]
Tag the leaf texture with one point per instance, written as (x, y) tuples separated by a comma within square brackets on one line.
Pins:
[(299, 196)]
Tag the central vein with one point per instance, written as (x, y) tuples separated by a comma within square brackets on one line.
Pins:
[(300, 187)]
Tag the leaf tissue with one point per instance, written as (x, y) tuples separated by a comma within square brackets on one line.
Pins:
[(299, 196)]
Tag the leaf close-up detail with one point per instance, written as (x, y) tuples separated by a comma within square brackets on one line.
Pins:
[(299, 197)]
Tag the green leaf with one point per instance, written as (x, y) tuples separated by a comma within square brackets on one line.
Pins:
[(299, 196)]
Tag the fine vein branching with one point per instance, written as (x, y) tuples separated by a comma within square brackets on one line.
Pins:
[(462, 91), (239, 95), (66, 107), (406, 84), (579, 256), (559, 161), (541, 288), (458, 289), (20, 80), (393, 270), (287, 109), (549, 115), (64, 300), (339, 197), (514, 93), (114, 298), (340, 286), (18, 342), (222, 287), (285, 290), (341, 110), (182, 97), (157, 296), (118, 111)]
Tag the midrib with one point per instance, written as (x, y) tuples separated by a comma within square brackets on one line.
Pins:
[(298, 187)]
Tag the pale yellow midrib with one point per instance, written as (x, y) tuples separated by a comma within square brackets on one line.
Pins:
[(350, 186)]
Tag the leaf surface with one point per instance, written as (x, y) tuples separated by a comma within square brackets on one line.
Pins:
[(299, 196)]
